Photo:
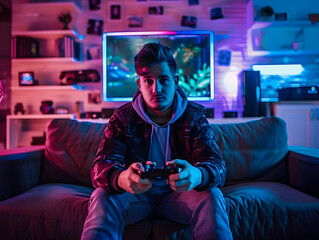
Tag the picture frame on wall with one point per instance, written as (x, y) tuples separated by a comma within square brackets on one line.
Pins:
[(134, 21), (156, 10), (26, 79), (115, 11), (95, 27), (94, 5), (189, 21)]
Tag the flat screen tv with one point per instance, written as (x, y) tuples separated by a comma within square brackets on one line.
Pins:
[(193, 51)]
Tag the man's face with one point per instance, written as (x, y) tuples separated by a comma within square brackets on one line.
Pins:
[(158, 86)]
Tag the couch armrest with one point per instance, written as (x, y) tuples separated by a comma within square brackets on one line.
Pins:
[(303, 167), (19, 170)]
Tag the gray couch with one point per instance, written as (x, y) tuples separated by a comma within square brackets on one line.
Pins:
[(272, 192)]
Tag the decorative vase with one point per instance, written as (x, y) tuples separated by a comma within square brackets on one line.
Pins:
[(66, 26)]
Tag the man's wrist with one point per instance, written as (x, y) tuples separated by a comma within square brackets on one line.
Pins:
[(115, 182)]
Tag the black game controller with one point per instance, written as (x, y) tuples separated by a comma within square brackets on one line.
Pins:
[(159, 173)]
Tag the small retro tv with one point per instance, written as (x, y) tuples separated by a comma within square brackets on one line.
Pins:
[(193, 51)]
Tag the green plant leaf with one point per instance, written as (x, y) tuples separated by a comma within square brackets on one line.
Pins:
[(204, 83), (192, 83)]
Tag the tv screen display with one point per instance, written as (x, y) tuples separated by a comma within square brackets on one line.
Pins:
[(193, 51)]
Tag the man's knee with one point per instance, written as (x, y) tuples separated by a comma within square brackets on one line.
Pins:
[(99, 193)]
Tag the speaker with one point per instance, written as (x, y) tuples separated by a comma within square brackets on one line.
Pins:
[(251, 93)]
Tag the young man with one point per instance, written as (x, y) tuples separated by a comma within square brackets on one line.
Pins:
[(159, 127)]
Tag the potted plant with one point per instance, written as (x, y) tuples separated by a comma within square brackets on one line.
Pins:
[(266, 12), (65, 18)]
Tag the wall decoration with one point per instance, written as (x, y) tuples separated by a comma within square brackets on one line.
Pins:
[(216, 13), (94, 52), (266, 12), (281, 16), (26, 78), (94, 5), (18, 108), (65, 18), (1, 92), (156, 10), (115, 12), (193, 2), (46, 107), (94, 97), (79, 76), (95, 27), (314, 18), (189, 21), (135, 21), (224, 57)]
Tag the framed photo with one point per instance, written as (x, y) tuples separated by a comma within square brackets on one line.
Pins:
[(193, 2), (224, 57), (95, 27), (216, 13), (94, 97), (281, 16), (134, 21), (94, 5), (94, 52), (188, 21), (115, 11), (26, 78), (156, 10)]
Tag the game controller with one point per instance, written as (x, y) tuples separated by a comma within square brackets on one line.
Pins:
[(159, 173)]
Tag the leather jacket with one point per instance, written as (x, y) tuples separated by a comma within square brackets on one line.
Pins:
[(126, 140)]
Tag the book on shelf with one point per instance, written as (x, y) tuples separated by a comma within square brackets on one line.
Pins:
[(68, 47), (24, 47)]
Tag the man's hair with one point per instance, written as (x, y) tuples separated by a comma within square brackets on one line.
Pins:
[(154, 53)]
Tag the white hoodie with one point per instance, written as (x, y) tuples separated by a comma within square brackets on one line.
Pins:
[(160, 151)]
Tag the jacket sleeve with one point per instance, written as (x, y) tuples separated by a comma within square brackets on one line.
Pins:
[(109, 159), (206, 155)]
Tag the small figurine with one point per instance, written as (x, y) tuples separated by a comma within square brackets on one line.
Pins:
[(18, 108)]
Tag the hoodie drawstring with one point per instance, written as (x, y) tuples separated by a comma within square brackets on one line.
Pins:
[(167, 143)]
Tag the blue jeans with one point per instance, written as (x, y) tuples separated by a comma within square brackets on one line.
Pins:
[(204, 211)]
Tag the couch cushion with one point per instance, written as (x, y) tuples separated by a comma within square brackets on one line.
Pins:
[(56, 211), (254, 150), (49, 211), (269, 210), (69, 151)]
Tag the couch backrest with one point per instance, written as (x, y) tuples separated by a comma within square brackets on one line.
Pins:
[(69, 151), (255, 150), (252, 150)]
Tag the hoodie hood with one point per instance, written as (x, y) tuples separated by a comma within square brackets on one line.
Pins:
[(180, 104)]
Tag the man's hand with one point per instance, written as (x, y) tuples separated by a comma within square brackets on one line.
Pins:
[(187, 179), (131, 181)]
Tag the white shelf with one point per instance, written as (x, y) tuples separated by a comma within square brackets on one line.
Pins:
[(264, 24), (45, 60), (53, 6), (41, 116), (43, 87), (78, 86), (48, 33), (21, 128)]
